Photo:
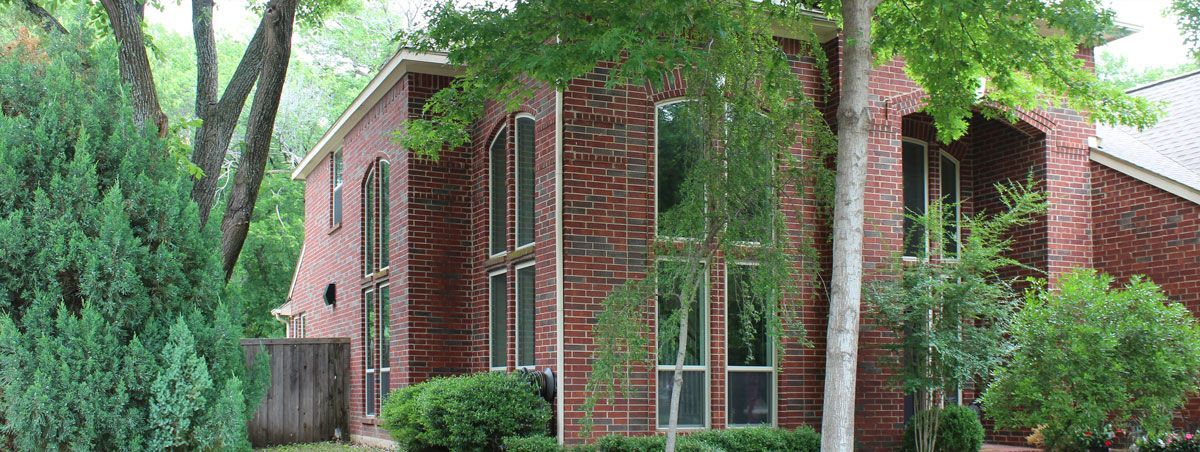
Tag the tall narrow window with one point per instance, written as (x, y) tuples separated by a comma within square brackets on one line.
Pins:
[(384, 210), (693, 402), (525, 181), (678, 144), (376, 209), (916, 196), (498, 317), (951, 196), (526, 313), (751, 380), (376, 345), (368, 230), (498, 194), (369, 350), (335, 183)]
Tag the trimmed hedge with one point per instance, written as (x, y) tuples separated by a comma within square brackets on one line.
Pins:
[(539, 443), (753, 439), (470, 412), (959, 430)]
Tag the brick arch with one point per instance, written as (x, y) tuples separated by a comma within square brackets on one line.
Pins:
[(1032, 123), (494, 128), (673, 86)]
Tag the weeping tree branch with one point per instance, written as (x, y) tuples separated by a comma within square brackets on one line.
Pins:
[(277, 32), (219, 117), (125, 17)]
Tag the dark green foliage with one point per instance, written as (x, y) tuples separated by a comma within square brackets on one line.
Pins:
[(470, 412), (1089, 354), (959, 430), (113, 335), (803, 439), (538, 443)]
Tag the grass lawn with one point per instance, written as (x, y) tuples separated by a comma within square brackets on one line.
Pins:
[(321, 447)]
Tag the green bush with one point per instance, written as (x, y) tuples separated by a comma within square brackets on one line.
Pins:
[(1088, 354), (959, 430), (113, 333), (803, 439), (538, 443), (751, 439), (470, 412)]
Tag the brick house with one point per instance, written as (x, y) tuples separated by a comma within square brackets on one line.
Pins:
[(497, 256)]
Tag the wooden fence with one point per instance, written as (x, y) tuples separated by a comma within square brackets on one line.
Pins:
[(309, 394)]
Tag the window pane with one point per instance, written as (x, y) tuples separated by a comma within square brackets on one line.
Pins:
[(692, 398), (335, 216), (914, 197), (369, 224), (498, 196), (750, 400), (526, 312), (369, 312), (384, 209), (385, 328), (950, 196), (679, 147), (372, 380), (499, 329), (670, 286), (525, 212), (747, 340), (384, 384)]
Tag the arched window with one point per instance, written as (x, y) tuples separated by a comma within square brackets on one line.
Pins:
[(677, 146), (376, 234), (525, 181), (951, 195), (498, 194)]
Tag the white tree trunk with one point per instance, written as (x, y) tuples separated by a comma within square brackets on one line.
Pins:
[(853, 124), (688, 299)]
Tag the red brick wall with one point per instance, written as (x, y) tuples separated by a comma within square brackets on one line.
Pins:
[(440, 256), (1140, 229)]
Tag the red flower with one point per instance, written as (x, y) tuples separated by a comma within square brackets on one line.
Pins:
[(1087, 434), (1108, 443)]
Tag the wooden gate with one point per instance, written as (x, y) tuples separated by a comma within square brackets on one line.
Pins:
[(308, 400)]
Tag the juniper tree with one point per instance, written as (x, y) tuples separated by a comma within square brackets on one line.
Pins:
[(112, 332)]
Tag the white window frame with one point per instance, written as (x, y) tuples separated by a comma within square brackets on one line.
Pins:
[(773, 369), (517, 315), (654, 170), (383, 197), (491, 316), (491, 186), (517, 180), (705, 342), (336, 191), (903, 233), (958, 205)]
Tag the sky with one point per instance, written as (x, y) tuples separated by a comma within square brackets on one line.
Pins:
[(1158, 43)]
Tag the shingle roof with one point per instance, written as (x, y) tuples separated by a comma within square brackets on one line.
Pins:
[(1170, 149)]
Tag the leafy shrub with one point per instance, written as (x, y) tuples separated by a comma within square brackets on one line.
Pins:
[(112, 332), (469, 412), (802, 439), (1170, 442), (1118, 355), (537, 443), (752, 439), (959, 430)]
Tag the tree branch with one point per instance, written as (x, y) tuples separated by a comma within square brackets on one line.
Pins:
[(49, 23), (220, 120), (278, 20)]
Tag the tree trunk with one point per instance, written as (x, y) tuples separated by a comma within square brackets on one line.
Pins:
[(278, 20), (853, 124), (220, 118), (125, 16), (687, 299)]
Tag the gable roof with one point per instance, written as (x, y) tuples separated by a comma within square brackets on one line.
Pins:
[(403, 62), (1168, 154)]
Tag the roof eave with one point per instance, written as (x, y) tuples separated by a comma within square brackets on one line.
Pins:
[(403, 62)]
